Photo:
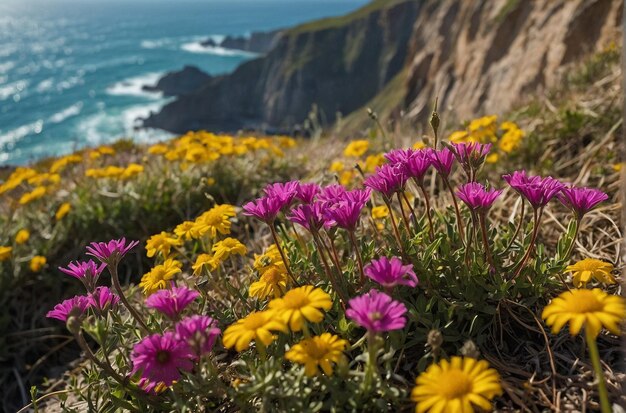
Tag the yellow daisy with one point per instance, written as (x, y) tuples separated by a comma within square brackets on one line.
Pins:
[(162, 243), (22, 236), (269, 258), (302, 303), (202, 261), (5, 253), (356, 148), (583, 271), (184, 230), (63, 210), (456, 386), (316, 352), (212, 222), (380, 212), (37, 263), (592, 309), (227, 247), (256, 326), (157, 278), (273, 282)]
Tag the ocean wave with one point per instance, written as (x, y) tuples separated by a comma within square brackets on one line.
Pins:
[(6, 66), (45, 85), (197, 47), (13, 89), (156, 43), (66, 113), (10, 138), (134, 86)]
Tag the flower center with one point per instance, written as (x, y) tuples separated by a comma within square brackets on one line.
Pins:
[(454, 384), (271, 275), (213, 219), (585, 302), (295, 300), (254, 321), (316, 350), (375, 315), (162, 356)]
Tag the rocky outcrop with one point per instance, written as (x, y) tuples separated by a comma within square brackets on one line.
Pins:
[(337, 64), (256, 42), (487, 56), (181, 82)]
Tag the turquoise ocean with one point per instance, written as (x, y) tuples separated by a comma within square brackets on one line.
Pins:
[(72, 71)]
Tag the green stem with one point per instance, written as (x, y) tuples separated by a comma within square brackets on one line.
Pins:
[(571, 245), (282, 254), (456, 208), (594, 354), (533, 238), (427, 204), (359, 260), (483, 228), (116, 284), (370, 369), (517, 230)]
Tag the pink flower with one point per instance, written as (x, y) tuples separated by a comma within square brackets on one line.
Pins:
[(331, 193), (161, 357), (345, 214), (476, 197), (87, 272), (360, 196), (387, 180), (283, 193), (442, 160), (110, 252), (390, 273), (310, 216), (581, 200), (536, 189), (265, 208), (470, 154), (307, 192), (415, 163), (74, 306), (199, 331), (102, 299), (171, 302), (377, 312)]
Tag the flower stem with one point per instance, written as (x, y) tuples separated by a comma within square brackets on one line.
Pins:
[(483, 229), (517, 230), (430, 219), (404, 217), (358, 255), (533, 238), (80, 339), (456, 208), (571, 245), (396, 232), (594, 354), (116, 284), (370, 368), (329, 273), (282, 254)]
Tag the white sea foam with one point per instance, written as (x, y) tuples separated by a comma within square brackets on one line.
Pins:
[(66, 113), (134, 86), (13, 89), (197, 47), (45, 85), (8, 139), (6, 66)]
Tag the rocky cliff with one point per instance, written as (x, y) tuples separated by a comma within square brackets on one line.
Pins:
[(486, 56), (180, 82), (336, 64)]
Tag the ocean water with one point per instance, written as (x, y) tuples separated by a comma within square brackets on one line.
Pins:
[(72, 71)]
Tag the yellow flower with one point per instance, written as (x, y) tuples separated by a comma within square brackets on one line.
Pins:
[(302, 303), (458, 136), (618, 167), (33, 195), (419, 145), (158, 149), (131, 170), (336, 166), (183, 231), (356, 148), (372, 161), (380, 212), (22, 236), (318, 351), (227, 247), (162, 243), (63, 210), (492, 158), (456, 386), (256, 326), (5, 253), (273, 282), (592, 309), (213, 221), (270, 257), (584, 270), (156, 279), (346, 177), (37, 263), (202, 261)]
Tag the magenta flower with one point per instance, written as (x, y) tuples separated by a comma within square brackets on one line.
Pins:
[(390, 272), (470, 153), (74, 306), (399, 156), (310, 216), (111, 252), (536, 189), (581, 200), (360, 196), (345, 214), (415, 163), (199, 331), (161, 357), (102, 299), (282, 192), (307, 192), (387, 180), (87, 272), (331, 193), (265, 208), (377, 312), (442, 160), (171, 302), (476, 197), (149, 386)]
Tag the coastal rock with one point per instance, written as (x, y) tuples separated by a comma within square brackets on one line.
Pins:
[(181, 82), (337, 64), (257, 42)]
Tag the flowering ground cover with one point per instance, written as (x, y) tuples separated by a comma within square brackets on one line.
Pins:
[(466, 270)]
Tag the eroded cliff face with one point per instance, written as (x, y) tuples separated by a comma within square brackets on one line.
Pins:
[(337, 64), (487, 56)]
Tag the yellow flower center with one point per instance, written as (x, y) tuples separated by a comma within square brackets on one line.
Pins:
[(254, 321), (295, 299), (213, 218), (454, 384), (585, 301), (272, 275), (316, 349)]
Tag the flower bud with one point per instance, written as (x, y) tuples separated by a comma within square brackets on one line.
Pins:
[(470, 349), (435, 340)]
